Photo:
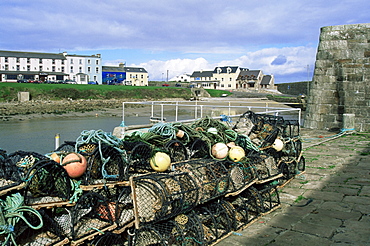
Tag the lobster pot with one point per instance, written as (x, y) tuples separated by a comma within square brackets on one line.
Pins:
[(108, 239), (125, 207), (292, 129), (66, 147), (211, 176), (55, 228), (215, 221), (241, 175), (292, 147), (176, 150), (265, 167), (269, 196), (139, 154), (161, 196), (239, 208), (47, 182), (19, 163), (183, 229), (288, 168), (199, 149), (92, 213), (104, 163)]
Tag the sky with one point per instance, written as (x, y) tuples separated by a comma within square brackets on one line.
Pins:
[(172, 37)]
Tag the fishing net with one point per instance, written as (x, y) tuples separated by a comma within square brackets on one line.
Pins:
[(242, 175), (199, 149), (268, 195), (161, 196), (139, 154), (66, 147), (238, 208), (47, 181)]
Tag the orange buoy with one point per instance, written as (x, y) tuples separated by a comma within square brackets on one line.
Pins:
[(180, 134), (55, 157), (220, 150), (75, 164)]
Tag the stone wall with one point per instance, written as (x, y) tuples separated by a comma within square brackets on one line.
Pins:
[(341, 82), (293, 88)]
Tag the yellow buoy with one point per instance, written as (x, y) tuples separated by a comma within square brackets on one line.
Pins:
[(236, 153), (160, 162)]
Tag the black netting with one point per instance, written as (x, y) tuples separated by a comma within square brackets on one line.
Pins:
[(108, 239), (139, 156), (265, 166), (176, 150), (46, 179)]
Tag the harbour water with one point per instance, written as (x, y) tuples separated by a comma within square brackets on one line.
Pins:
[(38, 135)]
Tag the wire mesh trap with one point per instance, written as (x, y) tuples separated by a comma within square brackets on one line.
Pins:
[(183, 229), (211, 176), (215, 220), (161, 196), (104, 163), (91, 214), (265, 166), (108, 239), (47, 181)]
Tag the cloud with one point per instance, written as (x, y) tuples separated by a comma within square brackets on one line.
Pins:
[(296, 61)]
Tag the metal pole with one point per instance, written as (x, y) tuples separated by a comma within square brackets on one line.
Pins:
[(162, 113), (201, 111), (196, 109), (57, 138), (177, 109), (229, 108), (152, 110)]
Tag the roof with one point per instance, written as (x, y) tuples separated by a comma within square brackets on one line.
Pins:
[(135, 69), (202, 74), (22, 54), (249, 74), (266, 80), (113, 69), (123, 69), (224, 69)]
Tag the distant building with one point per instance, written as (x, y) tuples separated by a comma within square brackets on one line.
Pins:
[(232, 78), (181, 78), (121, 74), (37, 66)]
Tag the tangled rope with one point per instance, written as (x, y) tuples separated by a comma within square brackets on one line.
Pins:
[(11, 211)]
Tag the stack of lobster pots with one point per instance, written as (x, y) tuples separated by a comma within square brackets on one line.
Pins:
[(174, 184)]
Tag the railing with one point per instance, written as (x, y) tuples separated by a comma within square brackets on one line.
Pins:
[(199, 109)]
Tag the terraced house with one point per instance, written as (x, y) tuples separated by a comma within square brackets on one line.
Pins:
[(232, 78), (44, 67)]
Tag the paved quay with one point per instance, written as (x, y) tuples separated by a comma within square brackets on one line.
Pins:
[(329, 204)]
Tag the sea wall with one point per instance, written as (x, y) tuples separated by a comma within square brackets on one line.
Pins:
[(341, 81)]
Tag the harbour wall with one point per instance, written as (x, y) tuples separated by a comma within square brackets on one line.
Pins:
[(341, 81)]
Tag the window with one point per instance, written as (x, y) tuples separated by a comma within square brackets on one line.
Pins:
[(97, 62), (6, 59), (53, 68), (229, 85), (71, 69), (80, 69), (53, 61), (142, 76), (71, 61), (28, 60), (89, 61), (18, 68), (222, 79), (40, 68), (40, 61), (17, 60), (97, 70), (28, 68), (80, 61), (222, 85), (94, 78), (62, 62), (89, 69)]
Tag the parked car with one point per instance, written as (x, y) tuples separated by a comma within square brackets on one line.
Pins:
[(165, 85), (22, 80)]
